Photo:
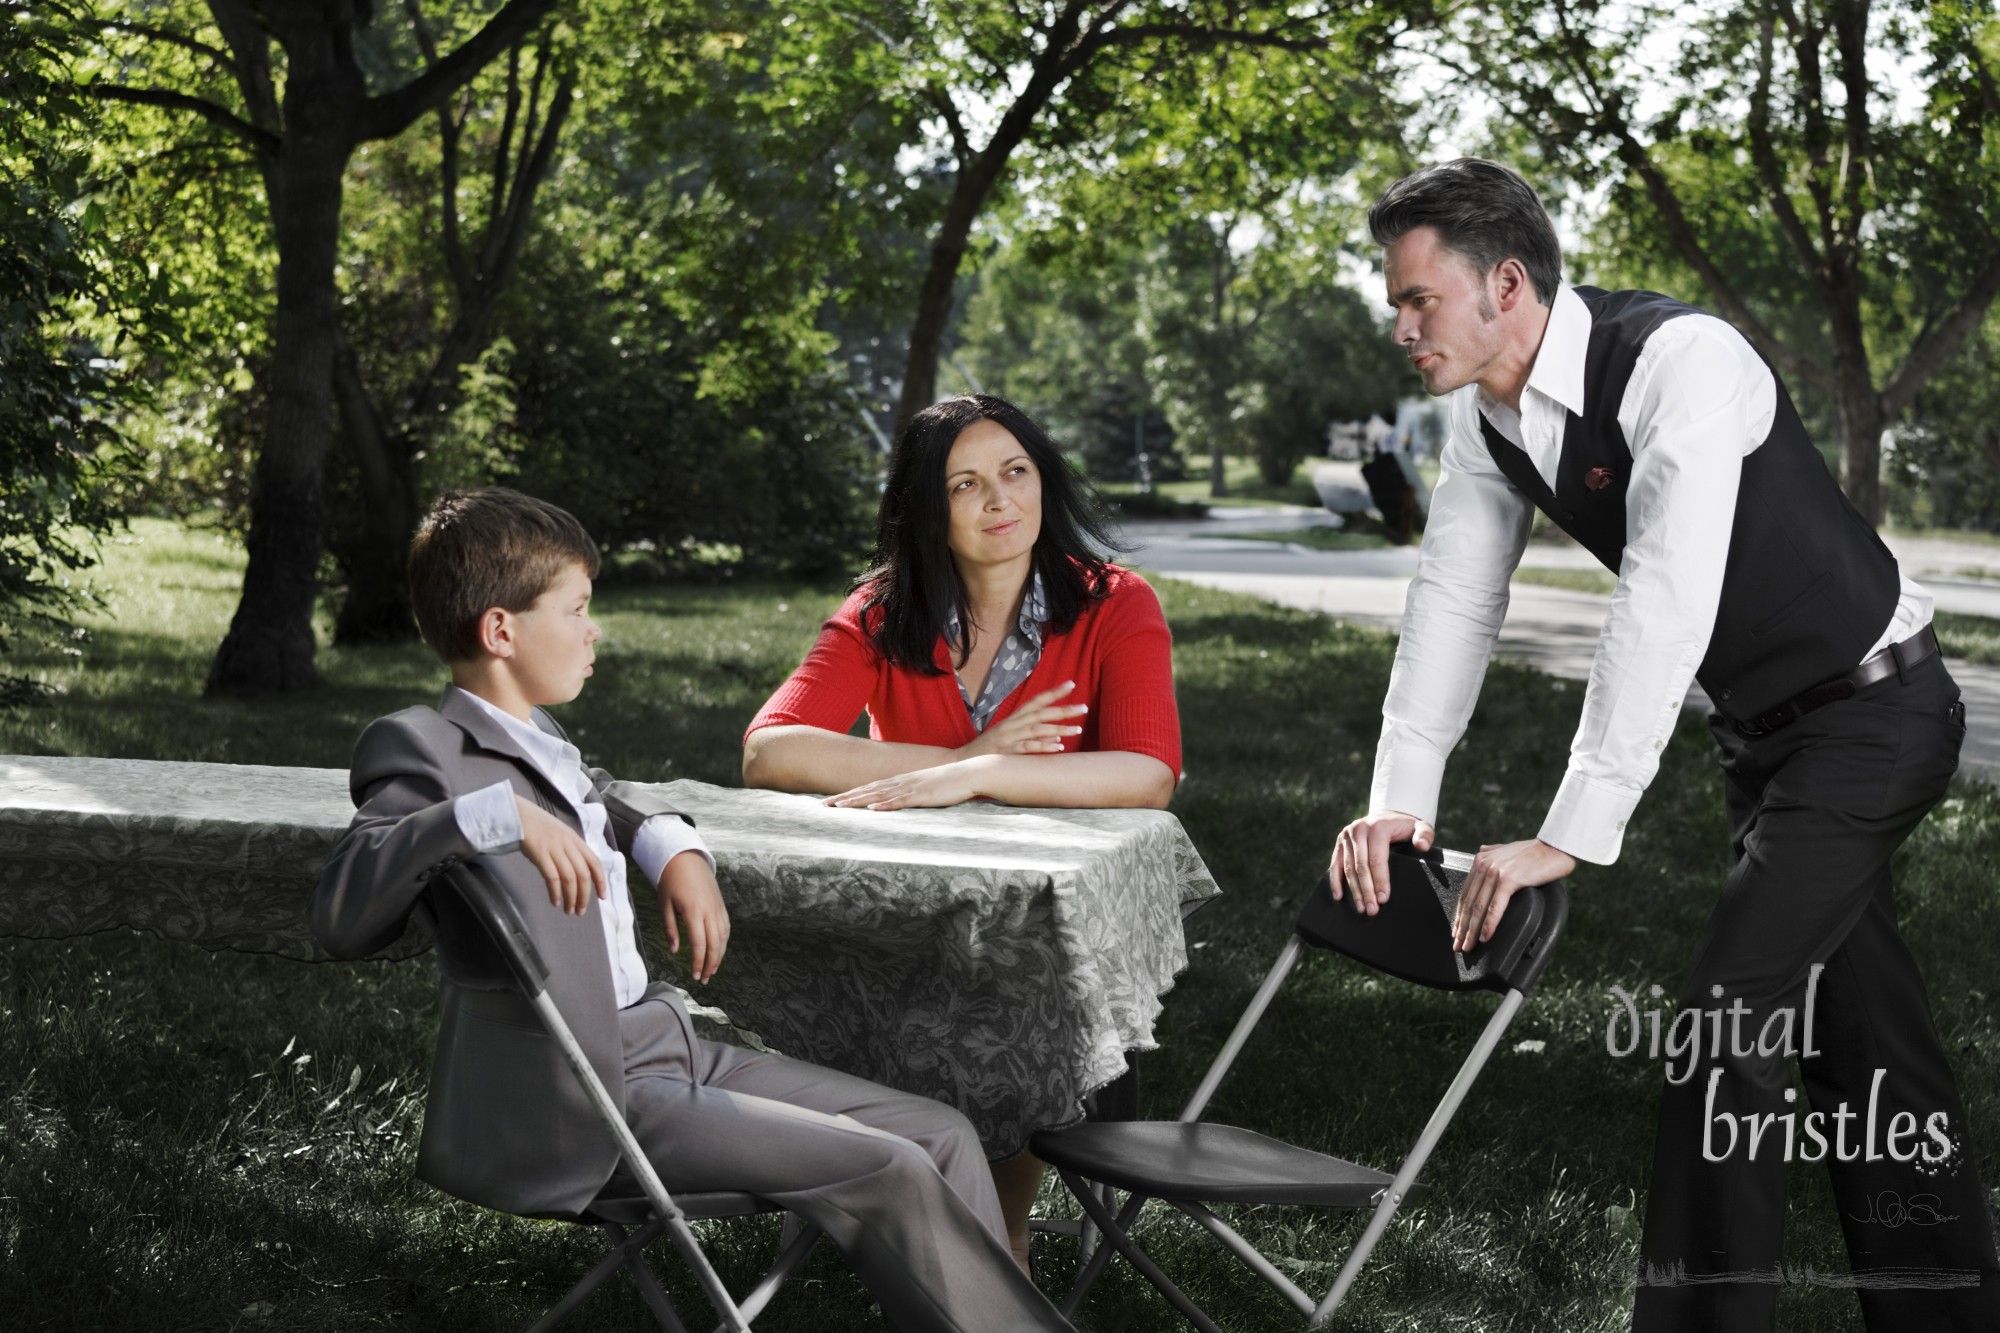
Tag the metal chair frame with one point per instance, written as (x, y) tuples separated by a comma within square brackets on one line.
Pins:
[(629, 1225), (1511, 963)]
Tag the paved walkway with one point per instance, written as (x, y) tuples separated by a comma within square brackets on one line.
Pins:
[(1551, 628)]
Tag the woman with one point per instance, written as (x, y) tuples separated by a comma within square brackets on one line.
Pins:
[(997, 653)]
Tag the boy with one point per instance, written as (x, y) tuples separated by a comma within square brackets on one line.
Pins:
[(501, 587)]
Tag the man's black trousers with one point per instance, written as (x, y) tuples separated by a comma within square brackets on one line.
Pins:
[(1817, 810)]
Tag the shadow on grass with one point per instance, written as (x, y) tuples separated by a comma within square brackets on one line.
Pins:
[(159, 1122)]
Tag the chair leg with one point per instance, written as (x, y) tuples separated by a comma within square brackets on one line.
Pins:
[(797, 1241), (625, 1249), (1094, 1266), (654, 1295), (1114, 1232)]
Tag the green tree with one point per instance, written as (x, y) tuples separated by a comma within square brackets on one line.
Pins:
[(81, 314), (292, 83), (1768, 158), (1234, 332), (988, 81)]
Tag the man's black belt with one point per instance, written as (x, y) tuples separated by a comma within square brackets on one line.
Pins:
[(1896, 658)]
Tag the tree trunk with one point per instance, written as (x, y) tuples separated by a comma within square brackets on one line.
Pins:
[(377, 606), (977, 175), (270, 646), (1862, 421), (1860, 407), (934, 297)]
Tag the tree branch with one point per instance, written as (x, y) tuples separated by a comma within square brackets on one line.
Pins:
[(534, 169), (448, 175), (961, 147), (1764, 155), (167, 35), (1695, 256), (503, 155), (251, 46), (1194, 34), (1856, 163), (1942, 337), (1805, 32), (219, 116), (389, 114)]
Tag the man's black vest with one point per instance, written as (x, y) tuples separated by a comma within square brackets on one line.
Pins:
[(1808, 587)]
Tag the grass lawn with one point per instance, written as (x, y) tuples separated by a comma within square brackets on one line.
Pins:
[(225, 1141)]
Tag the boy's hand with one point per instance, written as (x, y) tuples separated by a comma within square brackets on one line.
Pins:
[(688, 891), (564, 858)]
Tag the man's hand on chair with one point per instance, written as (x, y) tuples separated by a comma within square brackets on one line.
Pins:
[(1361, 855), (1499, 872), (571, 869)]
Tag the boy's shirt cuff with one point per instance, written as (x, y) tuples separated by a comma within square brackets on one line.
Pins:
[(489, 819), (662, 838)]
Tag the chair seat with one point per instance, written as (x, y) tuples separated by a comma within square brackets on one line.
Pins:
[(634, 1211), (1206, 1163)]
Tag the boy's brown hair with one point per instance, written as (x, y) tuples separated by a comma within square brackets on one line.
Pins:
[(484, 548)]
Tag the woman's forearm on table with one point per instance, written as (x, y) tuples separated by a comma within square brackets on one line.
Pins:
[(1096, 779), (812, 759)]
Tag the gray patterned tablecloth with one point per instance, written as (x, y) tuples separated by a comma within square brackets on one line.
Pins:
[(1000, 959)]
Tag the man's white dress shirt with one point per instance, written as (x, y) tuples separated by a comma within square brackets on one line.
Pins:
[(1699, 399), (490, 820)]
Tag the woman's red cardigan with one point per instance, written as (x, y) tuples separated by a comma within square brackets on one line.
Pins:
[(1119, 653)]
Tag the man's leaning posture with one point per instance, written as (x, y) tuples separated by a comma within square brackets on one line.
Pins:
[(1656, 437)]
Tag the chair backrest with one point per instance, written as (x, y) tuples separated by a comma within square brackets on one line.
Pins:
[(1410, 935), (473, 891)]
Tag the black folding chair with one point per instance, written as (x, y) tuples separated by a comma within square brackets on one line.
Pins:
[(1191, 1164), (632, 1223)]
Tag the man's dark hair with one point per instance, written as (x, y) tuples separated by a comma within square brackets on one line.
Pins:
[(479, 549), (914, 583), (1482, 211)]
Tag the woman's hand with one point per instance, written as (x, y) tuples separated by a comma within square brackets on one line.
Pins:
[(1036, 727), (947, 784)]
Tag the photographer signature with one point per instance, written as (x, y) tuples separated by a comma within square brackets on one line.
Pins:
[(1888, 1209)]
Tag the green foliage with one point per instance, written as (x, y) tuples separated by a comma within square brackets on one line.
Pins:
[(1770, 168), (1226, 330), (1944, 470), (78, 314), (625, 418)]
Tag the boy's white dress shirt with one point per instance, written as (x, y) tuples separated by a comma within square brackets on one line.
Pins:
[(491, 821)]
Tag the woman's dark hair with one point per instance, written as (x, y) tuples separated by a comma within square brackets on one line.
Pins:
[(1481, 210), (914, 585)]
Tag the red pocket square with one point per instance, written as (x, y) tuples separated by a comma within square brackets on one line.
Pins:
[(1598, 478)]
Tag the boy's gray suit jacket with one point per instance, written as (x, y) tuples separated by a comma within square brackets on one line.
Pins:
[(505, 1123)]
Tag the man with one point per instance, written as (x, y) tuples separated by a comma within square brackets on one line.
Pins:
[(1656, 437)]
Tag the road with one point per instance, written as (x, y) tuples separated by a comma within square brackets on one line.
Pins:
[(1553, 629)]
